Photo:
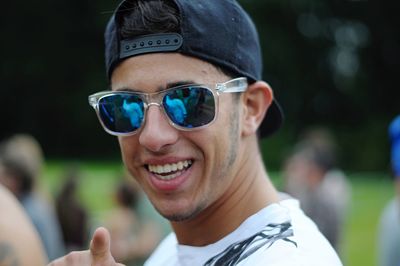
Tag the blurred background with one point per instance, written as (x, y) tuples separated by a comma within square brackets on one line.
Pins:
[(331, 64)]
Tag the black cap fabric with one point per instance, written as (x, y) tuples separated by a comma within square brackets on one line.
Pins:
[(219, 32)]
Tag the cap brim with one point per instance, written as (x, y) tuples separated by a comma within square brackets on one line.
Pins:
[(273, 120)]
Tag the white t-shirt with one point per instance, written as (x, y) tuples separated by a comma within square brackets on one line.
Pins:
[(280, 234)]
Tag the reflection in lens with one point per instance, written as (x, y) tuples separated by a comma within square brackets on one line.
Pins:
[(133, 112), (177, 109), (122, 113), (190, 107)]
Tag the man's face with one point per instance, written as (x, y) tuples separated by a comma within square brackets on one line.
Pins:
[(182, 172)]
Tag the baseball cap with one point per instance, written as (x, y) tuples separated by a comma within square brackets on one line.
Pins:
[(219, 32), (394, 136)]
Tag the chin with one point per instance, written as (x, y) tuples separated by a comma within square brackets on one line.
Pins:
[(181, 216)]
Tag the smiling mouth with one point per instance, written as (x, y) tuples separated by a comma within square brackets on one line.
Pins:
[(169, 171)]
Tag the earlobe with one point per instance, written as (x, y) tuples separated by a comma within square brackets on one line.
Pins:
[(257, 99)]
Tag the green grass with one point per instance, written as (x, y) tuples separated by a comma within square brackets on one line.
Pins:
[(96, 182), (370, 193)]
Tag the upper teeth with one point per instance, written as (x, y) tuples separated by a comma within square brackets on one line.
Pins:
[(167, 168)]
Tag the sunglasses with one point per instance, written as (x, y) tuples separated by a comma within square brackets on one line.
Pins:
[(187, 107)]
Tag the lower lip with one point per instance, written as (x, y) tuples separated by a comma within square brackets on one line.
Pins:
[(172, 184)]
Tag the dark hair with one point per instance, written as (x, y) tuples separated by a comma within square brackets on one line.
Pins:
[(320, 156), (149, 16), (20, 172), (142, 17), (127, 194)]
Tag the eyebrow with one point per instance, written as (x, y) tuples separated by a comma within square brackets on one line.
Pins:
[(179, 83), (160, 88)]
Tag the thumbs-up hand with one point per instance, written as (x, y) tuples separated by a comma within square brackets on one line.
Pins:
[(98, 255)]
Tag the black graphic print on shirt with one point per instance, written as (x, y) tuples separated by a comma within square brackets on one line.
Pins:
[(239, 251)]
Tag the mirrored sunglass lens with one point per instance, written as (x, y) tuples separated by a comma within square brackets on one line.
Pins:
[(190, 107), (121, 113)]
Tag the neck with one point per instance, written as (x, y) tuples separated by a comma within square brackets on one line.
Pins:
[(250, 192)]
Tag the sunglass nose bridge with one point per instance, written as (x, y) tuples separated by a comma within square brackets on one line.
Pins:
[(153, 103), (155, 98)]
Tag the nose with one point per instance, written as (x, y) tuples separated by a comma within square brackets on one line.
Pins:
[(157, 132)]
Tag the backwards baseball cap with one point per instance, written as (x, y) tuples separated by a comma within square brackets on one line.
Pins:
[(219, 32), (394, 136)]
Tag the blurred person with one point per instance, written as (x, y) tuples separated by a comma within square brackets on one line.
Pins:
[(71, 214), (311, 175), (21, 159), (20, 244), (389, 226), (193, 69), (133, 238)]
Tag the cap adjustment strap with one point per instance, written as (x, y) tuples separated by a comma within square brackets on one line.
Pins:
[(152, 43)]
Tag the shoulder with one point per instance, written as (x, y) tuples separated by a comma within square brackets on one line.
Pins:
[(165, 253), (277, 235), (311, 247), (18, 237), (290, 238)]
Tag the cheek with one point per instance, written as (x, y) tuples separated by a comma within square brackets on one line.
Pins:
[(127, 147), (220, 144), (122, 146)]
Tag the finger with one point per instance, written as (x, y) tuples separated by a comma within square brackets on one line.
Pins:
[(75, 258), (100, 244)]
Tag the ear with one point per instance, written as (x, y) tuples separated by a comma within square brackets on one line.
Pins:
[(256, 101)]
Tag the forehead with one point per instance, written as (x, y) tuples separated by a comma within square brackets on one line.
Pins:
[(151, 72)]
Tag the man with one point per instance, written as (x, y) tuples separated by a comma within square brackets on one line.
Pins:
[(21, 160), (193, 69), (19, 242), (389, 226), (312, 176)]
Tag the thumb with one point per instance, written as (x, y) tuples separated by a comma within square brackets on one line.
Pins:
[(100, 244)]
